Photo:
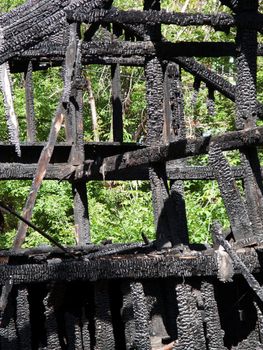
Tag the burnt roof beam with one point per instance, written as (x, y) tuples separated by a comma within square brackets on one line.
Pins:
[(221, 21), (164, 50), (180, 149)]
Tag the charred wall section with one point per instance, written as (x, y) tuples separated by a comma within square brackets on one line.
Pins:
[(166, 294)]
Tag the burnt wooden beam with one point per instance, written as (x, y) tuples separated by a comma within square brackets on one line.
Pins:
[(246, 114), (44, 159), (235, 206), (103, 318), (164, 50), (141, 317), (218, 21), (211, 78), (11, 118), (183, 148), (29, 25), (176, 130), (65, 171), (190, 334), (77, 156), (30, 153), (30, 110), (51, 324), (23, 319), (213, 330), (155, 125), (149, 265)]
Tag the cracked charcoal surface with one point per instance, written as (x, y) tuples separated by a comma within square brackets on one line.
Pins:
[(51, 325), (246, 109), (214, 332), (103, 319), (141, 317), (8, 333), (233, 201), (70, 59), (23, 319), (246, 102), (210, 102), (176, 204), (86, 341), (253, 188), (260, 320), (157, 175), (189, 321), (127, 314), (176, 101)]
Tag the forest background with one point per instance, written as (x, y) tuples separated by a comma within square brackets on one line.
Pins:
[(122, 211)]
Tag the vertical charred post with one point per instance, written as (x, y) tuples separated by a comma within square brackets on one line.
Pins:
[(51, 324), (155, 126), (117, 121), (214, 332), (8, 332), (141, 317), (23, 319), (176, 207), (30, 110), (247, 112), (86, 338), (103, 319), (127, 314), (189, 321), (79, 188)]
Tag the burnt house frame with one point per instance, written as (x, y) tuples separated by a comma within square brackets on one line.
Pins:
[(167, 294)]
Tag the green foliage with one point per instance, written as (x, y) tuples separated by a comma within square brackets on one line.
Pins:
[(204, 205), (120, 211)]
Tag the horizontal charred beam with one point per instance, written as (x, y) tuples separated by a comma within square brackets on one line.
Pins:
[(128, 53), (220, 20), (30, 153), (19, 171), (165, 50), (183, 148), (142, 265)]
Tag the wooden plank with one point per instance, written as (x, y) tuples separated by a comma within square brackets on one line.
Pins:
[(119, 266), (12, 122), (39, 176), (183, 148), (220, 20), (141, 317), (164, 50), (235, 206), (79, 188), (30, 110)]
